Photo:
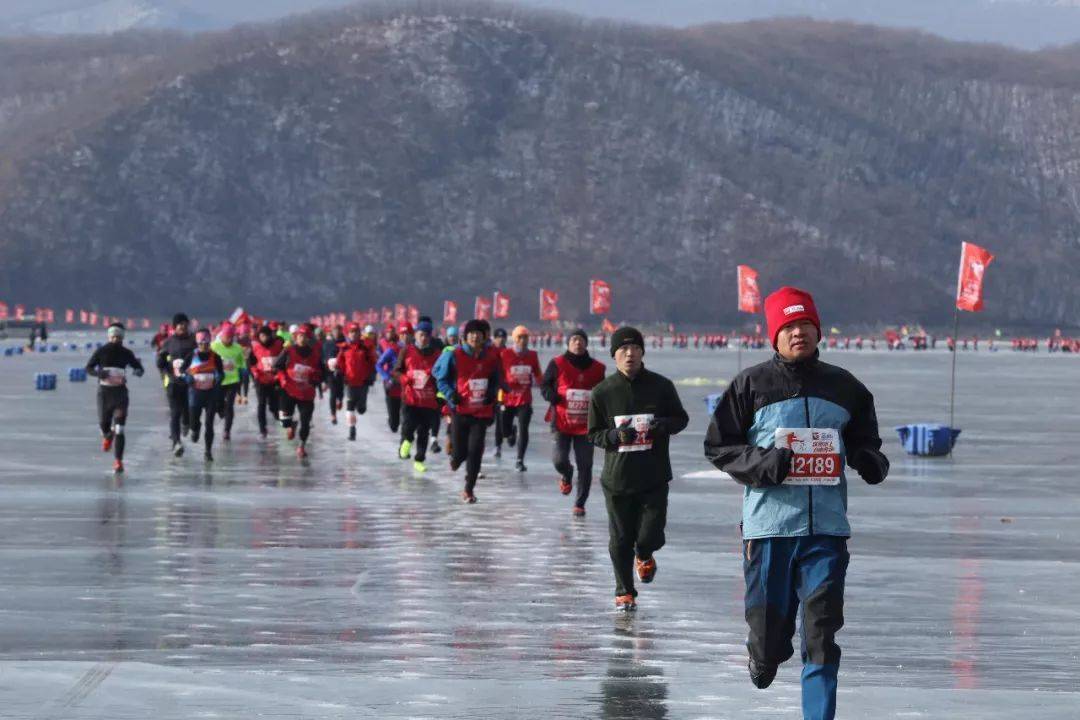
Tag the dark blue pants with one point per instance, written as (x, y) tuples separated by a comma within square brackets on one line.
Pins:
[(783, 576)]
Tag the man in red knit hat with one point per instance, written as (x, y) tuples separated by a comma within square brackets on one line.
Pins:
[(784, 430)]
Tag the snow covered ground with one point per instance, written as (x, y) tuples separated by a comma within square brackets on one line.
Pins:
[(351, 587)]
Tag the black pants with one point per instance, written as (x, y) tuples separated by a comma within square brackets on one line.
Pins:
[(306, 408), (227, 404), (499, 437), (523, 415), (245, 381), (336, 385), (112, 404), (393, 412), (356, 399), (468, 440), (583, 457), (416, 425), (177, 393), (203, 403), (635, 527), (268, 398)]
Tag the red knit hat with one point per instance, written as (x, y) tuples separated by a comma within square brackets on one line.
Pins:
[(788, 305)]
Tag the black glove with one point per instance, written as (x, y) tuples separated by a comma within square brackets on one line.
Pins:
[(871, 465), (658, 428), (624, 435), (138, 372), (455, 397)]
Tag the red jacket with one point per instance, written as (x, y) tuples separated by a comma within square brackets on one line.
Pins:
[(417, 382), (520, 371), (261, 361), (474, 376), (301, 374), (356, 362), (575, 389)]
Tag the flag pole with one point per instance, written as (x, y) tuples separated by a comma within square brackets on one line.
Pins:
[(952, 382), (738, 346)]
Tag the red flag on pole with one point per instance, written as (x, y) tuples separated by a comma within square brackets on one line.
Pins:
[(83, 317), (400, 312), (146, 323), (482, 308), (130, 324), (50, 315), (69, 316), (608, 326), (502, 306), (20, 310), (93, 318), (749, 292), (549, 305), (969, 286), (599, 297), (414, 315), (449, 312), (3, 311), (387, 314)]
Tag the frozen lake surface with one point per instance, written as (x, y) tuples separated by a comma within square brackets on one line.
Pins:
[(348, 586)]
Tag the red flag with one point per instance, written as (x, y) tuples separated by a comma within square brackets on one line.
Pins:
[(146, 323), (449, 312), (608, 326), (93, 318), (69, 316), (502, 306), (969, 286), (130, 324), (400, 312), (20, 310), (414, 315), (50, 315), (482, 308), (749, 292), (3, 311), (239, 316), (599, 297), (549, 305), (39, 314)]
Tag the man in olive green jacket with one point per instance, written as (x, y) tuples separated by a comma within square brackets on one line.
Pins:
[(632, 413)]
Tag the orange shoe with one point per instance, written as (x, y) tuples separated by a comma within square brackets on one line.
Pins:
[(106, 443), (118, 467), (625, 603), (564, 486), (468, 497), (646, 569), (578, 511), (290, 433), (301, 452)]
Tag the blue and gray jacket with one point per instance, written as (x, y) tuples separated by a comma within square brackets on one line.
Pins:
[(781, 394)]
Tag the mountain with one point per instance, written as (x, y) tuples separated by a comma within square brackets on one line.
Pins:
[(57, 17), (374, 155)]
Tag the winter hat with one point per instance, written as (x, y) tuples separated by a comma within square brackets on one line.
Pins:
[(425, 325), (305, 329), (227, 330), (266, 330), (405, 328), (179, 318), (499, 332), (519, 331), (475, 325), (202, 332), (369, 329), (788, 305), (115, 330), (626, 336), (451, 331), (579, 333)]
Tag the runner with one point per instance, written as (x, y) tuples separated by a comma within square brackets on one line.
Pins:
[(203, 372), (420, 413), (266, 348), (783, 429), (632, 413), (521, 368), (109, 365), (468, 377), (170, 362), (498, 342), (452, 339), (389, 346), (243, 338), (335, 382), (232, 361), (356, 366), (299, 372), (567, 385)]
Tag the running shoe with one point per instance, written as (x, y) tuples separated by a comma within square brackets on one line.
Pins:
[(301, 452), (519, 466), (564, 486), (106, 443), (468, 497), (352, 433), (761, 675), (290, 433), (646, 569), (405, 450), (418, 466), (625, 603), (578, 511), (118, 466)]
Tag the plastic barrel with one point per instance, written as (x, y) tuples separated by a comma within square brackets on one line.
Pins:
[(77, 374), (927, 439), (45, 381)]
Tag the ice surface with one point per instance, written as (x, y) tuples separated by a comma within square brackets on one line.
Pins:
[(348, 586)]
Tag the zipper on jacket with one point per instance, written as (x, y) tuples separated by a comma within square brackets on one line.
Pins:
[(809, 488)]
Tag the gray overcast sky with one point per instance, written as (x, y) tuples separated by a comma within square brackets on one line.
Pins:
[(1024, 23)]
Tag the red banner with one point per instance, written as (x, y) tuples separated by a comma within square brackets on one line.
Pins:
[(146, 323), (3, 311), (69, 316), (482, 308), (608, 326), (50, 315), (969, 286), (400, 312), (599, 297), (502, 306), (414, 315), (387, 315), (749, 292), (20, 311), (549, 305), (449, 312)]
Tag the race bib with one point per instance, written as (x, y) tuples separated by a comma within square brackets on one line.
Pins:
[(816, 459), (640, 423), (301, 374), (521, 374), (203, 381), (178, 367), (113, 377), (420, 379), (477, 390), (266, 363), (332, 364), (577, 402), (229, 365)]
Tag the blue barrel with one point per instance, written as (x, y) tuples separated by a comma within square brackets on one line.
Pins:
[(711, 401), (45, 381), (77, 374), (8, 352), (927, 439), (19, 350), (89, 346)]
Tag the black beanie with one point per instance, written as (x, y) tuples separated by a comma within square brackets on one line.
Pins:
[(584, 336), (179, 318), (475, 325), (626, 336)]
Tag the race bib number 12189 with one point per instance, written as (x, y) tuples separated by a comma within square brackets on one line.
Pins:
[(816, 459)]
